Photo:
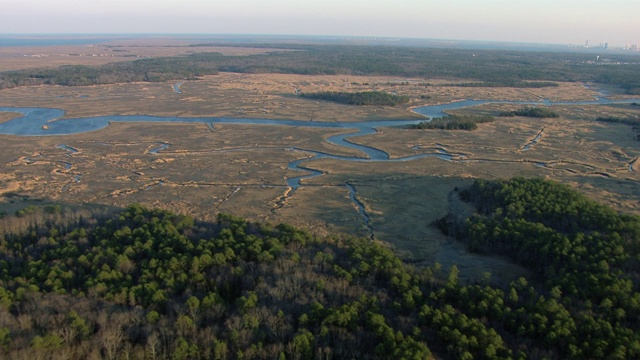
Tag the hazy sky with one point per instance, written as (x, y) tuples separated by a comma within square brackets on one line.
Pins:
[(539, 21)]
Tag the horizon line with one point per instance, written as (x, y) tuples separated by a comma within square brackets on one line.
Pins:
[(557, 46)]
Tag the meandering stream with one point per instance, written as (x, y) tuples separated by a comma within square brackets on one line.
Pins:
[(47, 122)]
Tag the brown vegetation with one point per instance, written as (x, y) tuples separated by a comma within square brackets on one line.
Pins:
[(265, 96), (100, 53), (6, 116), (242, 169)]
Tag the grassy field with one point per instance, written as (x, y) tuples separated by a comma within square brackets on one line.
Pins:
[(243, 169), (100, 53), (266, 96)]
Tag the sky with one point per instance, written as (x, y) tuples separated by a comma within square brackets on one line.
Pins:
[(616, 22)]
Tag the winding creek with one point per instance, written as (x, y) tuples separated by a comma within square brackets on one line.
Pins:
[(534, 141), (157, 149), (67, 165), (361, 209), (48, 122), (176, 87)]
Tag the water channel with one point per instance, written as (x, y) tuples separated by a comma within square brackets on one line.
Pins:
[(47, 122)]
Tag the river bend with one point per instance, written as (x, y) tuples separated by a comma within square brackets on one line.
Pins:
[(48, 122)]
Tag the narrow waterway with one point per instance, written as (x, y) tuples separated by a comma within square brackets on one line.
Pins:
[(157, 149), (70, 149), (44, 121), (48, 122), (533, 142), (361, 210)]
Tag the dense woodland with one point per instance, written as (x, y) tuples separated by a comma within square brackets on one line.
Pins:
[(359, 98), (536, 112), (585, 256), (149, 284), (493, 67), (454, 122)]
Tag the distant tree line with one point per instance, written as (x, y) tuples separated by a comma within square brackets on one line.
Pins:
[(620, 76), (143, 70), (506, 83), (359, 98), (489, 67), (454, 122), (619, 120), (633, 122), (536, 112)]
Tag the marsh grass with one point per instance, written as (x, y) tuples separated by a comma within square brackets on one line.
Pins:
[(4, 117), (203, 168)]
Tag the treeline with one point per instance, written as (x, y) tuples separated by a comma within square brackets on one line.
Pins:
[(507, 83), (535, 112), (151, 284), (489, 67), (586, 256), (454, 122), (619, 120), (143, 70), (359, 98), (622, 76)]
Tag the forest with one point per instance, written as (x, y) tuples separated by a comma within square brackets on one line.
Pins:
[(149, 284), (454, 122), (535, 112), (488, 67), (359, 98), (585, 256)]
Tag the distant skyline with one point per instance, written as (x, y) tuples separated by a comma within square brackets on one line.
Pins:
[(544, 21)]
